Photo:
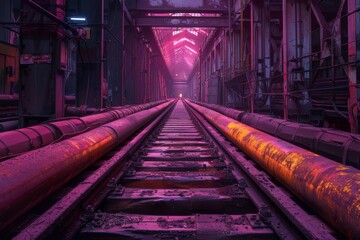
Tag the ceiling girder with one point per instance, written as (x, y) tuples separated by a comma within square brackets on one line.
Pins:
[(151, 21)]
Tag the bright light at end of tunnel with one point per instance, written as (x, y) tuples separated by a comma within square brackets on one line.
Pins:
[(180, 95)]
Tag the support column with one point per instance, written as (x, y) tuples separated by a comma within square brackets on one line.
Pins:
[(254, 19), (198, 78), (115, 52), (260, 49), (296, 44), (61, 54), (102, 56), (353, 59), (44, 60), (91, 84), (5, 16), (288, 31)]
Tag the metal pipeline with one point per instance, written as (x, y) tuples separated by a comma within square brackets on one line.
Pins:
[(26, 139), (13, 99), (8, 125), (337, 145), (329, 188), (29, 178)]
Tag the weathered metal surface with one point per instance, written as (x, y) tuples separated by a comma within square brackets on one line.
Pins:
[(27, 179), (330, 188), (181, 165), (181, 134), (9, 125), (145, 179), (200, 226), (183, 130), (182, 143), (179, 138), (229, 199), (171, 149), (180, 156)]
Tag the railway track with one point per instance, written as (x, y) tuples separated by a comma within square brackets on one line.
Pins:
[(177, 178)]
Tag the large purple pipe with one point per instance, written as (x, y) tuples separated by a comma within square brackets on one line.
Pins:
[(27, 179), (337, 145), (25, 139)]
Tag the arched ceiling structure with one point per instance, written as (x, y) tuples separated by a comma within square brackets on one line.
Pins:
[(180, 48), (180, 27)]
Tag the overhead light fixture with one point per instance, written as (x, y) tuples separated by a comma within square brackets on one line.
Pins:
[(182, 40), (191, 50), (78, 19)]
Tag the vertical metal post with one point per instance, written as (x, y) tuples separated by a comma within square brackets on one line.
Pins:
[(148, 74), (230, 42), (199, 76), (115, 52), (62, 53), (42, 85), (5, 16), (225, 54), (241, 36), (59, 82), (266, 48), (102, 57), (353, 37), (123, 97), (285, 58), (22, 78), (253, 52)]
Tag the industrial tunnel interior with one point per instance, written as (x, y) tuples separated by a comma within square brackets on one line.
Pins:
[(179, 119)]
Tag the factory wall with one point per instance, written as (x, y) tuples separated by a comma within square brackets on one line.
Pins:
[(289, 59)]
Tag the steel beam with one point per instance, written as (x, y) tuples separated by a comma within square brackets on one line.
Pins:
[(115, 59), (198, 226), (285, 40), (51, 16), (353, 67), (5, 16), (254, 21), (91, 82), (325, 31), (193, 6), (42, 95), (296, 44), (182, 22)]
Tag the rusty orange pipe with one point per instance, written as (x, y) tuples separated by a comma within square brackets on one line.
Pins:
[(330, 188), (29, 178)]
